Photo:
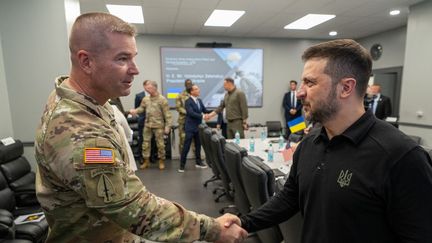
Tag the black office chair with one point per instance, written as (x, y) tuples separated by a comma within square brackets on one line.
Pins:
[(34, 231), (206, 148), (274, 128), (233, 159), (17, 172), (217, 150), (259, 181)]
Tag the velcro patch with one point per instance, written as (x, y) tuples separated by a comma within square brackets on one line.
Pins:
[(98, 156)]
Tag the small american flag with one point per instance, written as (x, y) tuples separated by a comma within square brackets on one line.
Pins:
[(98, 155)]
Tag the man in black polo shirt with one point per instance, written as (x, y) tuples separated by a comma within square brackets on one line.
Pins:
[(358, 179)]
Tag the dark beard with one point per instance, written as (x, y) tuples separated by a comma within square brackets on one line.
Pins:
[(327, 109)]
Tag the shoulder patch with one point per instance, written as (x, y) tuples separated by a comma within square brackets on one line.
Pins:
[(98, 156)]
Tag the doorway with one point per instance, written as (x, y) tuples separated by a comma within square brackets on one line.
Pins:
[(390, 80)]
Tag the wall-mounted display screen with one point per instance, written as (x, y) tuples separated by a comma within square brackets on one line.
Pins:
[(208, 67)]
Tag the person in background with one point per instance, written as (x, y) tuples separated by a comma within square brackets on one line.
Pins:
[(221, 123), (83, 180), (357, 179), (380, 104), (126, 133), (157, 123), (141, 118), (291, 105), (195, 111), (180, 107), (236, 107)]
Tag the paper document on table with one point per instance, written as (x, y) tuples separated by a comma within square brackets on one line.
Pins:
[(29, 218)]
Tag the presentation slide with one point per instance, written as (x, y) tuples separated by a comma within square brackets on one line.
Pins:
[(207, 67)]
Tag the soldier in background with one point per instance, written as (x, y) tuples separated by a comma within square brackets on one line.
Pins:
[(157, 123), (83, 183), (180, 107)]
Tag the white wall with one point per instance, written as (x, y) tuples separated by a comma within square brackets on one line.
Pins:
[(282, 63), (35, 51), (417, 84), (6, 129), (393, 43)]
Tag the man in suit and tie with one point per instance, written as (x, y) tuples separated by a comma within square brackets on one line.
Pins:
[(380, 105), (291, 105), (195, 113)]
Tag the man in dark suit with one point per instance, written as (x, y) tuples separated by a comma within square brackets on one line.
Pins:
[(195, 113), (141, 119), (380, 105), (291, 105)]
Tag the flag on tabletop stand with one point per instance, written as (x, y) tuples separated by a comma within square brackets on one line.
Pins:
[(297, 124), (287, 152)]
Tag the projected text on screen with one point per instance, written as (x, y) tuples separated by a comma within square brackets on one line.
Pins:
[(208, 67)]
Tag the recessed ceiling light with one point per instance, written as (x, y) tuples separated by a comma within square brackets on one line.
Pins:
[(332, 33), (223, 18), (309, 21), (129, 13), (395, 12)]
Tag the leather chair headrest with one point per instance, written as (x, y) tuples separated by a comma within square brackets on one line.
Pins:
[(11, 151)]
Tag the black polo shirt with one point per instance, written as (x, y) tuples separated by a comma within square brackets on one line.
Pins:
[(370, 184)]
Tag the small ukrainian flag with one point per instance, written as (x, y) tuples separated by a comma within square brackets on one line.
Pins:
[(297, 124), (172, 93)]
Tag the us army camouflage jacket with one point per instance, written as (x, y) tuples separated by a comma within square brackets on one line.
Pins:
[(180, 106), (157, 112), (85, 186)]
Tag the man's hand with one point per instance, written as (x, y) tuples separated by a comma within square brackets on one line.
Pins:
[(245, 126), (167, 130), (230, 229), (293, 111), (218, 126), (133, 112)]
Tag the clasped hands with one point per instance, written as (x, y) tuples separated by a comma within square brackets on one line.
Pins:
[(206, 117), (231, 230)]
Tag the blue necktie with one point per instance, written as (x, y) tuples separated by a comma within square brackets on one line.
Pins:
[(199, 108)]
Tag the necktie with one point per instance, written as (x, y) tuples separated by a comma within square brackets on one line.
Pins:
[(197, 102), (293, 99), (375, 104)]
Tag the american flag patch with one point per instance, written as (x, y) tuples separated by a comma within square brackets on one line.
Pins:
[(98, 155)]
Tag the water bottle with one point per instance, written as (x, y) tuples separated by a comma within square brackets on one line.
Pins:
[(237, 137), (252, 144), (263, 135), (281, 142), (270, 154)]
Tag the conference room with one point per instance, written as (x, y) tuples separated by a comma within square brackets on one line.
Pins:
[(260, 50)]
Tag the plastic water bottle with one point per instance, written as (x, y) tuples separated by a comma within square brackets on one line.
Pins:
[(281, 142), (263, 135), (270, 154), (237, 137), (252, 144)]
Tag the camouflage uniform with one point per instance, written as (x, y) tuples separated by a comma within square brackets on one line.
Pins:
[(180, 107), (86, 201), (158, 117)]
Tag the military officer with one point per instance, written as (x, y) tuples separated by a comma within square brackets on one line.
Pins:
[(157, 122), (83, 182), (180, 107)]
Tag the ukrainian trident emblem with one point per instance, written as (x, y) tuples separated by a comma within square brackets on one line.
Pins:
[(344, 178)]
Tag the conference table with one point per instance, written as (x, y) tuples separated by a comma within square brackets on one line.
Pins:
[(261, 148)]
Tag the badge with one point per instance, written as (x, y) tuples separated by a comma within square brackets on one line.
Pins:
[(98, 156)]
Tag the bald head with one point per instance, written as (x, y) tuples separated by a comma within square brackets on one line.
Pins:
[(89, 32)]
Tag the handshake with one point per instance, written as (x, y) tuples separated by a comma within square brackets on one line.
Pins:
[(231, 230), (206, 117)]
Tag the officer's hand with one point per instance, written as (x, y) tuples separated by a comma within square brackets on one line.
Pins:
[(218, 126), (230, 229), (167, 130), (133, 112), (233, 234)]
